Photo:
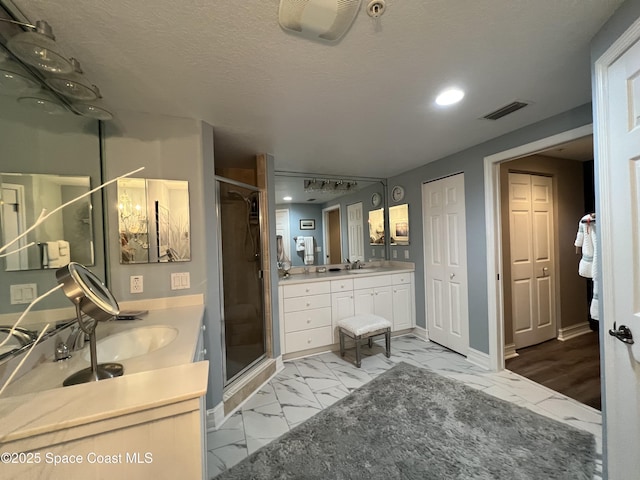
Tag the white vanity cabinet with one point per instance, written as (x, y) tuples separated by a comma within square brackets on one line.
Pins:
[(373, 295), (307, 316), (310, 311), (342, 303), (402, 299)]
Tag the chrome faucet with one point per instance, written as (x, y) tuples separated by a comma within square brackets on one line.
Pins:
[(357, 264), (24, 336), (76, 339)]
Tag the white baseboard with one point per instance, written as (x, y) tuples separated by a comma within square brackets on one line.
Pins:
[(421, 333), (479, 358), (279, 364), (510, 351), (573, 331), (215, 417)]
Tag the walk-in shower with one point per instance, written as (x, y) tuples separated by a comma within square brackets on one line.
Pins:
[(242, 283)]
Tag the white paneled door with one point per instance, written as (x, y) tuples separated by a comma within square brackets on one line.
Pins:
[(445, 254), (355, 226), (532, 258), (618, 218)]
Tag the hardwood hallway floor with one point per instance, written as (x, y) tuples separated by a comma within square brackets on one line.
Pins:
[(571, 367)]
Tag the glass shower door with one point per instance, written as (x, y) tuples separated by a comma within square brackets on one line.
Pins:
[(242, 284)]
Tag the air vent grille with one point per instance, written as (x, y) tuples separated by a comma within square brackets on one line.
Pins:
[(506, 110)]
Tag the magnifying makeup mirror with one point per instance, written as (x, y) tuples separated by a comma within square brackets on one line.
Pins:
[(92, 298)]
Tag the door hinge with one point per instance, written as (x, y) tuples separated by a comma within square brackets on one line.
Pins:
[(498, 275), (260, 274)]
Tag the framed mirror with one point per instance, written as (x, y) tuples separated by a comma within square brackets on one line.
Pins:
[(321, 219), (399, 224), (66, 236), (153, 220)]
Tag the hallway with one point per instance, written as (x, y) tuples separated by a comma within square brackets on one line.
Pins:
[(571, 367)]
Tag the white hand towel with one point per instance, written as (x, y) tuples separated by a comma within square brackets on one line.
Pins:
[(586, 239), (309, 254), (53, 251), (300, 244), (65, 253)]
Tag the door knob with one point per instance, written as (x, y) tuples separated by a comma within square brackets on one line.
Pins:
[(452, 276)]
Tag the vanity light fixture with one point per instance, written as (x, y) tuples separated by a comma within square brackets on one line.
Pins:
[(93, 108), (42, 101), (73, 85), (15, 80), (38, 48), (449, 96)]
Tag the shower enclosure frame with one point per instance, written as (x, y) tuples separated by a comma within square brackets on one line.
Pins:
[(262, 202)]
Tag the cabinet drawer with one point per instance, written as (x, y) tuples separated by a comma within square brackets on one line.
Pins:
[(315, 337), (303, 289), (372, 282), (343, 285), (401, 278), (306, 319), (306, 303)]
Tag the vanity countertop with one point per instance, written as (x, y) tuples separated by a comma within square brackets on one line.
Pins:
[(36, 403), (367, 271)]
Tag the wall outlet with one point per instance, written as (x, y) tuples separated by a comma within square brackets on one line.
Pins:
[(395, 254), (373, 252), (406, 254), (23, 293), (180, 281), (136, 284)]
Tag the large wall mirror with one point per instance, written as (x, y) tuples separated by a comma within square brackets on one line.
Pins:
[(66, 236), (153, 220), (322, 219)]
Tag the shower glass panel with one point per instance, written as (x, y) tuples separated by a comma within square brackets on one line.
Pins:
[(242, 284)]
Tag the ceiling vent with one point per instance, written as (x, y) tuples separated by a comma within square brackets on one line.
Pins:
[(506, 110), (326, 20)]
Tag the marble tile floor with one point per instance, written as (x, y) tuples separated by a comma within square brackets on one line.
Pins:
[(307, 385)]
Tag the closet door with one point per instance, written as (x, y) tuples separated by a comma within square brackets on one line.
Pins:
[(532, 258), (445, 254)]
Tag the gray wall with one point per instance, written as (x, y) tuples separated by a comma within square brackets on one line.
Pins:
[(471, 162), (169, 148)]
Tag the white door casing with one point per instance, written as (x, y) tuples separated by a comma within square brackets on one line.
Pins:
[(282, 228), (532, 258), (355, 227), (445, 254), (14, 222), (617, 133)]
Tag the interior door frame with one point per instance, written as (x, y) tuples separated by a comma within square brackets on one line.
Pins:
[(495, 290), (22, 223), (325, 231)]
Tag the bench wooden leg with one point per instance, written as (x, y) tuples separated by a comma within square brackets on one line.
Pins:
[(341, 343), (358, 362), (370, 342)]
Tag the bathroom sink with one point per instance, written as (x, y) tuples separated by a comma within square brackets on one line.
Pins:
[(364, 270), (133, 343)]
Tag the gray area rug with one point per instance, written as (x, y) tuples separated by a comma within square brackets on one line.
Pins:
[(411, 423)]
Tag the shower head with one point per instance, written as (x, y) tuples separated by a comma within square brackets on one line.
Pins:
[(238, 194)]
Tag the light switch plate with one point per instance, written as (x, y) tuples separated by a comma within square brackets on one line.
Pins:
[(406, 254), (23, 293), (180, 281)]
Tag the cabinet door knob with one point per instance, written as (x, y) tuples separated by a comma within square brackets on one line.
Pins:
[(308, 340), (306, 290), (308, 303), (308, 320)]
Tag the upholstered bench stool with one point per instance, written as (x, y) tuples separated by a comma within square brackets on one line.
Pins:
[(364, 326)]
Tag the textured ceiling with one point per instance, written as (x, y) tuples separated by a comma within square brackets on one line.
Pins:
[(362, 106)]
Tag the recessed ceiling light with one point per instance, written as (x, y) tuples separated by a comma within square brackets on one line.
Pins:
[(449, 97), (287, 199)]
